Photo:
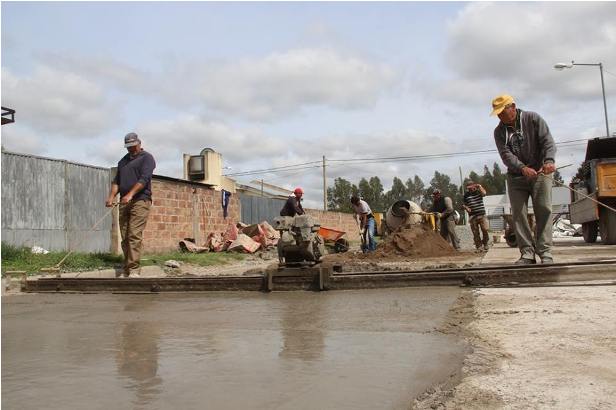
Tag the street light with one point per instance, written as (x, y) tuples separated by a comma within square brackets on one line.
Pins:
[(562, 66)]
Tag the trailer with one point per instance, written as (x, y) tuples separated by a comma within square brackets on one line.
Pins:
[(596, 180)]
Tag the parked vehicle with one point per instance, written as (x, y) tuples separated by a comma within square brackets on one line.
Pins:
[(598, 180)]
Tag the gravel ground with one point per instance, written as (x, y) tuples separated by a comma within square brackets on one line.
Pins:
[(543, 347), (466, 237)]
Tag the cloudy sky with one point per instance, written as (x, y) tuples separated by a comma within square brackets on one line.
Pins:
[(284, 83)]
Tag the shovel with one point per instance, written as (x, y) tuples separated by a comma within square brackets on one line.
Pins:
[(362, 235)]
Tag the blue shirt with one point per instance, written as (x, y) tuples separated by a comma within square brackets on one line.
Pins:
[(136, 169)]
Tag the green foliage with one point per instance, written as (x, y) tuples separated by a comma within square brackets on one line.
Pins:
[(493, 182), (371, 190), (398, 191), (415, 189), (447, 188), (21, 258), (557, 178), (339, 196), (499, 179)]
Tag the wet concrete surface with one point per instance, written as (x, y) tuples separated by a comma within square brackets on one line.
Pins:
[(284, 350)]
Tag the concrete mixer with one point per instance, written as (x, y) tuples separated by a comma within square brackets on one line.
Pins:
[(405, 213)]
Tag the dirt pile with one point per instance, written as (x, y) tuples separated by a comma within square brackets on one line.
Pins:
[(416, 241)]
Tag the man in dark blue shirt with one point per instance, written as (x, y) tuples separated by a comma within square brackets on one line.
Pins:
[(133, 181), (293, 206)]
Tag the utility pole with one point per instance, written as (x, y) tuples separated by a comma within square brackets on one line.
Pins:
[(261, 187), (324, 187), (462, 192)]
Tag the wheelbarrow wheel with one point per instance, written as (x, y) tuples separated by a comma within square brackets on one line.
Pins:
[(341, 245)]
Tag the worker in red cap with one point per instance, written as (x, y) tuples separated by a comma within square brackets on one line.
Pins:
[(293, 206)]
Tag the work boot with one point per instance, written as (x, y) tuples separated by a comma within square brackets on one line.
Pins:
[(486, 247), (547, 260), (134, 275), (525, 261)]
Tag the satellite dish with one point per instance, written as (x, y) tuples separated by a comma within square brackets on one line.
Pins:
[(205, 150)]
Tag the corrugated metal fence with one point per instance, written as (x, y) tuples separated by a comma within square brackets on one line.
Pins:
[(54, 204), (256, 209)]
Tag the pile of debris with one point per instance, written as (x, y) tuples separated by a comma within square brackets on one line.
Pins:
[(563, 228), (238, 238), (415, 241)]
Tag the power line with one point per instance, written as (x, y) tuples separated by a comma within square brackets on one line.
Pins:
[(341, 162), (430, 156), (242, 173), (268, 171), (609, 72)]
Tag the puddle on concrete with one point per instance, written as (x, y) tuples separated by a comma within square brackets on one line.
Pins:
[(363, 349)]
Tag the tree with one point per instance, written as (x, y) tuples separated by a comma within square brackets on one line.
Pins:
[(473, 176), (557, 178), (372, 192), (415, 189), (398, 191), (487, 180), (378, 199), (339, 196), (447, 188), (499, 179)]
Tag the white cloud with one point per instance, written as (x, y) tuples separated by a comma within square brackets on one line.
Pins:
[(167, 140), (284, 83), (54, 102), (101, 69), (499, 47), (19, 139), (266, 88)]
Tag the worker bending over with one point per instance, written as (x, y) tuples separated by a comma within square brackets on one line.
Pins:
[(367, 225), (443, 207), (293, 206)]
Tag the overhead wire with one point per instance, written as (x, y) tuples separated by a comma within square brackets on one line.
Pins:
[(281, 168), (358, 161)]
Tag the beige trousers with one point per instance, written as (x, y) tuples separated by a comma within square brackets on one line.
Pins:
[(480, 223), (133, 218)]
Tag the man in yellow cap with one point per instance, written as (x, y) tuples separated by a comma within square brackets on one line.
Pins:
[(527, 148)]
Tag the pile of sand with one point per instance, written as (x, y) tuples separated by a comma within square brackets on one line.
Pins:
[(417, 241)]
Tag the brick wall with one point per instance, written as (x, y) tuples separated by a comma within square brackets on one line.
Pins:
[(181, 209), (185, 210), (337, 220)]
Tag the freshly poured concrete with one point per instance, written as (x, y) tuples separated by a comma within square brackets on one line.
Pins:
[(285, 350)]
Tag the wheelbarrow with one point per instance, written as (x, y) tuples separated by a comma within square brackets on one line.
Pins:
[(334, 238)]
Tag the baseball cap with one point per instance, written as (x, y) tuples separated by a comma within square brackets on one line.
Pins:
[(131, 139), (500, 102), (298, 190)]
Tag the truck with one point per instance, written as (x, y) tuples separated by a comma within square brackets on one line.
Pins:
[(596, 179)]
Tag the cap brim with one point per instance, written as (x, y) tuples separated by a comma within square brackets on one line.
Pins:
[(496, 111), (131, 144)]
